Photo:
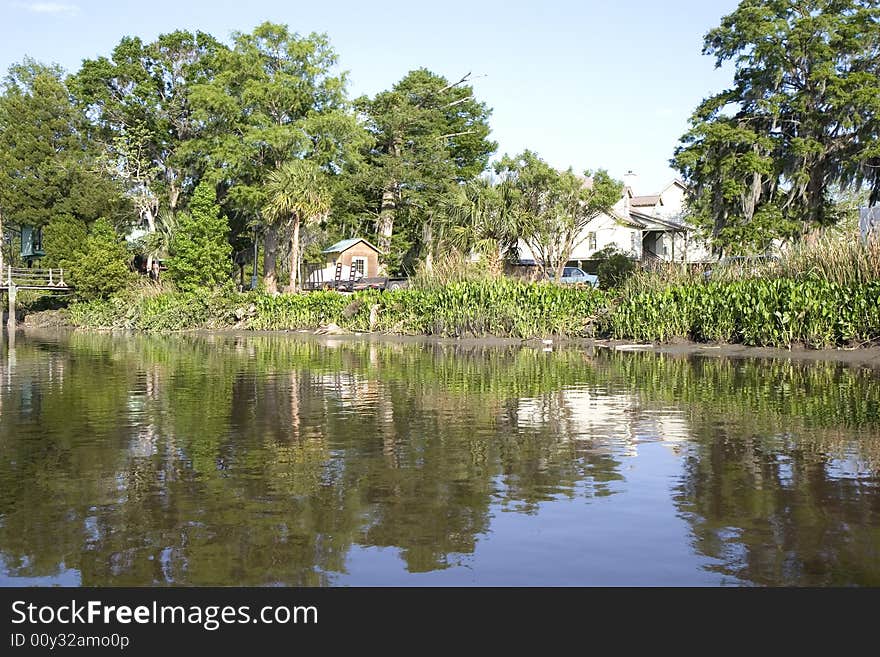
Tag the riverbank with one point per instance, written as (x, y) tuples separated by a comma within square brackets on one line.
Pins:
[(766, 313)]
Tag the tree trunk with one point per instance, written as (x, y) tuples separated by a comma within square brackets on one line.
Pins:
[(270, 253), (496, 266), (294, 256), (385, 225), (148, 215), (560, 268), (428, 239)]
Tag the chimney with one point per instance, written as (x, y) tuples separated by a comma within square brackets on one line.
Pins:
[(630, 179)]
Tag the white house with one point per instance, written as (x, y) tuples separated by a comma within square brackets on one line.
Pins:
[(648, 227)]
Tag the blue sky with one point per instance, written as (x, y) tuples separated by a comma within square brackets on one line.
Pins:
[(587, 84)]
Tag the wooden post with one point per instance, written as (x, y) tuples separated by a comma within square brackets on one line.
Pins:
[(1, 243), (10, 321)]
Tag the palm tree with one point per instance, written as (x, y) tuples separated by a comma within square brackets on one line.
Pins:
[(157, 243), (482, 221), (297, 193)]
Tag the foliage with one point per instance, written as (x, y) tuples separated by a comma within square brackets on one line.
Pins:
[(47, 170), (845, 260), (144, 308), (552, 208), (614, 267), (158, 243), (140, 101), (274, 98), (762, 157), (453, 267), (64, 239), (199, 254), (500, 307), (102, 270), (776, 312), (478, 221), (427, 135)]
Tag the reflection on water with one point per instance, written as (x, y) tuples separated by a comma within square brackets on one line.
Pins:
[(263, 460)]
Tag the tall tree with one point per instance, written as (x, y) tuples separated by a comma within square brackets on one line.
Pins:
[(48, 168), (429, 134), (297, 194), (139, 98), (275, 98), (553, 208), (802, 116), (200, 255)]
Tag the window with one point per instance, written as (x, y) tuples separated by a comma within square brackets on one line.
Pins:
[(359, 264), (591, 241)]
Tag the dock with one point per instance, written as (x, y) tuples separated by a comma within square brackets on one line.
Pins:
[(45, 280)]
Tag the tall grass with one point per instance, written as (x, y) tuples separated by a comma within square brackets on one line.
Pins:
[(845, 260), (452, 268)]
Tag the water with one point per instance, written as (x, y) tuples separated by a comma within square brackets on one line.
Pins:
[(291, 460)]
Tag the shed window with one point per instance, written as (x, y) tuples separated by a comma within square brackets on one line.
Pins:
[(359, 264)]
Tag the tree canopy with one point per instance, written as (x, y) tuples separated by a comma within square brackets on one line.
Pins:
[(191, 148), (276, 97), (802, 116), (47, 159), (552, 207), (428, 135), (138, 100)]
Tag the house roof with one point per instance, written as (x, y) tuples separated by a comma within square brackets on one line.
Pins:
[(345, 245), (675, 182), (643, 201), (627, 220), (651, 222)]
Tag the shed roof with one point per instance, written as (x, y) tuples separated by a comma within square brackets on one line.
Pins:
[(345, 245)]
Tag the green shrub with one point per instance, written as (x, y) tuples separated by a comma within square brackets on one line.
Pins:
[(64, 239), (500, 307), (102, 269), (200, 253), (614, 270)]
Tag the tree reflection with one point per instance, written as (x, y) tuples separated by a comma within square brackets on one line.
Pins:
[(260, 459), (779, 480)]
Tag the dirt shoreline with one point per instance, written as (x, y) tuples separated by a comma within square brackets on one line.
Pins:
[(857, 356)]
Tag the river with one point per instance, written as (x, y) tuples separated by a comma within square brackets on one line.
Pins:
[(273, 459)]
